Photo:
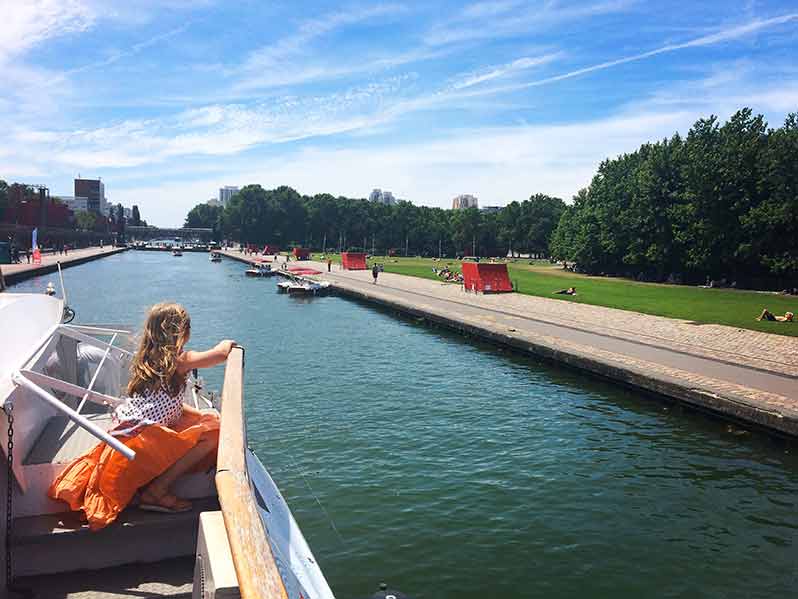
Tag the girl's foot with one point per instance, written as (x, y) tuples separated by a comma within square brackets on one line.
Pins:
[(166, 503)]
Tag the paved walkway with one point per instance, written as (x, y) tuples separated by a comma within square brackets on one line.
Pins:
[(741, 373), (14, 273)]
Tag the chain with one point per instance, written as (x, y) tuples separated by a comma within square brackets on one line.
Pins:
[(25, 592), (9, 409)]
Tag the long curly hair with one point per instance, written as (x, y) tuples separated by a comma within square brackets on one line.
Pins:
[(154, 366)]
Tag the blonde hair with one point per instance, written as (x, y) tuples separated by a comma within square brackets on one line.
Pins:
[(154, 366)]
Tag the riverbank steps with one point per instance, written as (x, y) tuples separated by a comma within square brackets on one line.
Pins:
[(737, 374)]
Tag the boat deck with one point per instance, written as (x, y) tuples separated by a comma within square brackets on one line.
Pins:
[(62, 440), (168, 578)]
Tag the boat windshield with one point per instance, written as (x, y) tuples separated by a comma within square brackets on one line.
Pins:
[(74, 365)]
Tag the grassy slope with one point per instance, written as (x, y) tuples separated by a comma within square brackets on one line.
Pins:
[(722, 306)]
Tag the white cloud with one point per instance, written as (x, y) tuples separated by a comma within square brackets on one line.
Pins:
[(298, 41), (27, 23), (289, 74), (498, 164), (488, 20), (487, 9), (218, 130), (132, 51), (721, 36), (496, 72)]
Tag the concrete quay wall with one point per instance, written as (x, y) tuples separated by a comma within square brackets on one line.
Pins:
[(14, 273), (729, 407)]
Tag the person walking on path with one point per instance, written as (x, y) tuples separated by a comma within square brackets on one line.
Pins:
[(329, 265), (374, 272)]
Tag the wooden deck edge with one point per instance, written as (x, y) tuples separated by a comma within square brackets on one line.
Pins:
[(726, 406), (257, 572)]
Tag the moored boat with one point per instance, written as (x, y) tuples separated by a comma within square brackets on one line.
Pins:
[(177, 252), (259, 270), (215, 257), (303, 287)]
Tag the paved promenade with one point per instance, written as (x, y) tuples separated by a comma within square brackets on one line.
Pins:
[(739, 373), (14, 273)]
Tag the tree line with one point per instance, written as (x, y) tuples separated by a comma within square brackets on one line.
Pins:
[(285, 218), (720, 203)]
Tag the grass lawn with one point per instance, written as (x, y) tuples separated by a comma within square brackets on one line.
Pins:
[(721, 306)]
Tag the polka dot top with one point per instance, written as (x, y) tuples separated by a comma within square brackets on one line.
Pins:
[(154, 407)]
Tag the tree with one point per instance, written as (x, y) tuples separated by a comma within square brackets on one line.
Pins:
[(85, 220), (3, 199), (202, 216), (539, 217)]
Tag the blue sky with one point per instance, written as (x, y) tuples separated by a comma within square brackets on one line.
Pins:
[(169, 100)]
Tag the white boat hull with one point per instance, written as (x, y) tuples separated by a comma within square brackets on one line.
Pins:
[(297, 565)]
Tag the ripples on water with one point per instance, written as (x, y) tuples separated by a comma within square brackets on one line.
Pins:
[(452, 469)]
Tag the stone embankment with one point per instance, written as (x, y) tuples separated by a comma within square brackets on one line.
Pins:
[(14, 273)]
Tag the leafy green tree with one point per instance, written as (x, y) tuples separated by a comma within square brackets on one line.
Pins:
[(85, 220), (3, 199), (539, 217), (201, 216)]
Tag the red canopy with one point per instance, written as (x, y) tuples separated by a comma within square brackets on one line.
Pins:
[(301, 253), (354, 261), (298, 270), (487, 278)]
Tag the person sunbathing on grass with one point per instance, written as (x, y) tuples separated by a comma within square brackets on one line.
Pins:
[(768, 315), (569, 291)]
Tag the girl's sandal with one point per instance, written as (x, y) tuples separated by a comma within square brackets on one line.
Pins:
[(165, 504)]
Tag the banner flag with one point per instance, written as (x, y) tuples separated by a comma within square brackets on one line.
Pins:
[(34, 238)]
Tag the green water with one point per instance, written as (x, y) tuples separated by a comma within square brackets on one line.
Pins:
[(454, 470)]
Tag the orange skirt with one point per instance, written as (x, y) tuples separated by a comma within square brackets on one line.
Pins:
[(102, 482)]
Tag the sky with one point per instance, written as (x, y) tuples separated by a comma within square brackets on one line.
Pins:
[(168, 100)]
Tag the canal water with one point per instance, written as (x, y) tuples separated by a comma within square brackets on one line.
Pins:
[(450, 469)]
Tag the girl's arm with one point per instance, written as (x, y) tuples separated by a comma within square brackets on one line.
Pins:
[(205, 359), (191, 409)]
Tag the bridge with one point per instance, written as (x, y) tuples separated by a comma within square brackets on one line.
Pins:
[(184, 233)]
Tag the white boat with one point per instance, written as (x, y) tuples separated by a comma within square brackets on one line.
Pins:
[(215, 257), (60, 381), (177, 252), (303, 287), (259, 270)]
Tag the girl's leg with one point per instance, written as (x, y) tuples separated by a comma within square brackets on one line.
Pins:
[(160, 485)]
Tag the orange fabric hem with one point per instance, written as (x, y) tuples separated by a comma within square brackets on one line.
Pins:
[(102, 482)]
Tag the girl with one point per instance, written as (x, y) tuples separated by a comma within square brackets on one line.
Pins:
[(169, 437)]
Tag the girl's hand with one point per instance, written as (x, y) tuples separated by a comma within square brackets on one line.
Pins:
[(226, 346)]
